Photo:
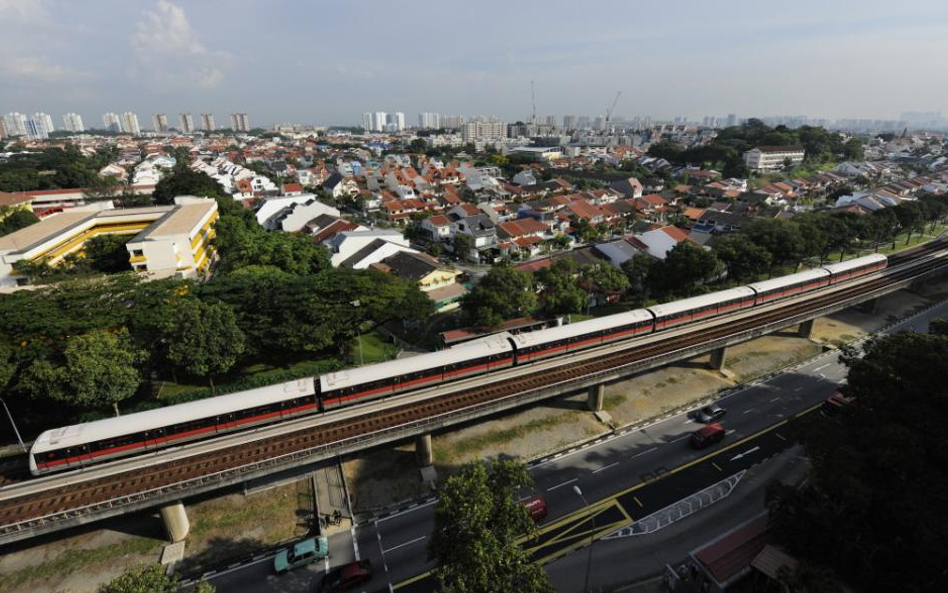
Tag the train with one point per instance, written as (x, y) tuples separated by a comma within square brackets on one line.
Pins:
[(89, 443)]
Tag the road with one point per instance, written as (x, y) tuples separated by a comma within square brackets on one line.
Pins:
[(625, 477)]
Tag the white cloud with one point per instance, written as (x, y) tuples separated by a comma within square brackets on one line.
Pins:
[(38, 69), (168, 51), (23, 10)]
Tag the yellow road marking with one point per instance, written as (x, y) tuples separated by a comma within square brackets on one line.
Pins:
[(638, 501), (716, 466)]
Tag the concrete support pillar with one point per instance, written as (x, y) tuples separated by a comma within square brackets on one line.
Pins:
[(717, 358), (869, 306), (176, 521), (596, 397), (806, 329), (423, 453)]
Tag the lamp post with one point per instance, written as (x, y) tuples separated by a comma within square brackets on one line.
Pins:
[(13, 424), (592, 538), (356, 304)]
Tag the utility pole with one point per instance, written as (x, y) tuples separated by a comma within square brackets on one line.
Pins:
[(533, 94)]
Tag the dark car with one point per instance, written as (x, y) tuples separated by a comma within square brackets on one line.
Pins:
[(346, 577), (710, 413)]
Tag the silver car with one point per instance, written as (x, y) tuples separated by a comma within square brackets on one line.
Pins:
[(710, 413)]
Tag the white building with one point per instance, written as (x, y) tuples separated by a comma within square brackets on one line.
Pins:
[(46, 120), (290, 213), (36, 129), (159, 122), (398, 121), (129, 124), (72, 122), (483, 129), (3, 128), (207, 122), (359, 249), (239, 122), (16, 124), (429, 121), (368, 121), (112, 122), (187, 122), (773, 158)]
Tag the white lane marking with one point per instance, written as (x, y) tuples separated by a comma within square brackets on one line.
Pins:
[(798, 389), (821, 367), (408, 543), (644, 452), (596, 471), (562, 484), (748, 411), (679, 439), (230, 570), (687, 420), (748, 452), (732, 431), (822, 376), (409, 510), (381, 551), (774, 399)]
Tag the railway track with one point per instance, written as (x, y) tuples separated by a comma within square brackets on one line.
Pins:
[(34, 505)]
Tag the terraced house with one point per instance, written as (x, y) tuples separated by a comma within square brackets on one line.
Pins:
[(166, 240)]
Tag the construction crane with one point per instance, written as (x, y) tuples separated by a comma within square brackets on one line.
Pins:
[(533, 93), (609, 112)]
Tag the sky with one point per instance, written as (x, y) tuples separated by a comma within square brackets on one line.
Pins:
[(327, 61)]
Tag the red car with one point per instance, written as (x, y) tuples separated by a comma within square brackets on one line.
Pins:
[(346, 577), (536, 507), (710, 434)]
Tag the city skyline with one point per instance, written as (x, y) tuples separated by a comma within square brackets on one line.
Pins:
[(183, 57)]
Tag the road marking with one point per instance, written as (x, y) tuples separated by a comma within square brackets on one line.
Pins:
[(408, 510), (596, 471), (679, 439), (748, 452), (822, 376), (774, 399), (221, 573), (562, 484), (408, 543), (748, 411), (779, 436), (636, 499), (644, 452), (717, 467), (732, 431), (798, 389), (821, 367)]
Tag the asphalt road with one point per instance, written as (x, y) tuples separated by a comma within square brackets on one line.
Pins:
[(624, 478)]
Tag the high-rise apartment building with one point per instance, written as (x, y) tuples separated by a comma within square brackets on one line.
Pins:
[(3, 128), (207, 122), (112, 122), (36, 129), (16, 124), (484, 129), (379, 120), (452, 122), (731, 119), (429, 121), (129, 122), (239, 122), (397, 121), (159, 122), (569, 122), (72, 122), (46, 120), (368, 121), (187, 123)]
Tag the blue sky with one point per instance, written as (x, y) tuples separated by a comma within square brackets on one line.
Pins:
[(328, 61)]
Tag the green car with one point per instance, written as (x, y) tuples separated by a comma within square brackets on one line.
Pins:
[(301, 554)]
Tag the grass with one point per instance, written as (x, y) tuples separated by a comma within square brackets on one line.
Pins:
[(374, 348), (76, 559), (614, 401), (456, 452)]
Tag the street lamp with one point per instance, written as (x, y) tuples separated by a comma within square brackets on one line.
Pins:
[(13, 424), (592, 538), (356, 304)]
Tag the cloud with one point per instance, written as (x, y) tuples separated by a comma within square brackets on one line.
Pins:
[(23, 10), (39, 69), (167, 50)]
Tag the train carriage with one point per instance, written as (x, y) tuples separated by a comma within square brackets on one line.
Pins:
[(395, 376), (583, 334), (111, 438), (701, 307), (787, 286), (854, 268)]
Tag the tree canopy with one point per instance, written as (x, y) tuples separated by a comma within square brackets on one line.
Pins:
[(150, 578), (185, 181), (11, 221), (203, 338), (478, 522), (559, 292), (874, 506), (503, 293)]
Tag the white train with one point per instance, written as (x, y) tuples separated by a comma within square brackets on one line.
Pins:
[(85, 444)]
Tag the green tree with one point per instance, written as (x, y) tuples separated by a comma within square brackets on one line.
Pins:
[(98, 370), (686, 267), (150, 578), (7, 365), (559, 291), (203, 339), (463, 245), (107, 253), (638, 269), (744, 259), (503, 293), (184, 181), (939, 327), (477, 524), (418, 146), (853, 150), (11, 221), (608, 278)]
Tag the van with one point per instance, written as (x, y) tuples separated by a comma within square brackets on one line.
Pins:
[(709, 435), (536, 507)]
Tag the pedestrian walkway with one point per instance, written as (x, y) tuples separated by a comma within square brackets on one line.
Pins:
[(332, 499)]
